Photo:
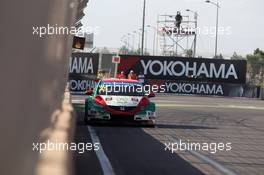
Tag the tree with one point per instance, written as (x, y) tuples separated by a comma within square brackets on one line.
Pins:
[(256, 67), (219, 56), (146, 52), (259, 52), (134, 52), (237, 57), (123, 50), (105, 50)]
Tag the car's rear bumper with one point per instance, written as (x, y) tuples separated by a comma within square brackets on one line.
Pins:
[(148, 115), (139, 116), (137, 113)]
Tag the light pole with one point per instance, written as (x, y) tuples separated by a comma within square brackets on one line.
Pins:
[(143, 27), (196, 25), (133, 41), (154, 37), (133, 38), (145, 41), (216, 33), (125, 39), (139, 35), (128, 41)]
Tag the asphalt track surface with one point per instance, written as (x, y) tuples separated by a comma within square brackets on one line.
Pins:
[(128, 148)]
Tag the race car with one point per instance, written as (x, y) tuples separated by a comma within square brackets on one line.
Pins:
[(120, 99)]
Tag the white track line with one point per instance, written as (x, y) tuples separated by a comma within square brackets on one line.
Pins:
[(103, 159), (210, 161)]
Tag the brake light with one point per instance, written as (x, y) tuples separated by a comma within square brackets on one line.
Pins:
[(144, 102), (99, 100)]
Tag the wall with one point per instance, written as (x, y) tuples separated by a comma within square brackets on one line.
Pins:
[(33, 77)]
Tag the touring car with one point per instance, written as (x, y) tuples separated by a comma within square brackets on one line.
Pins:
[(120, 99)]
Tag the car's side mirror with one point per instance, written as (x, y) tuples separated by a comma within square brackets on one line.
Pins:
[(89, 92), (151, 95)]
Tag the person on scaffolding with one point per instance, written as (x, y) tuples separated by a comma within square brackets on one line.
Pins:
[(178, 19)]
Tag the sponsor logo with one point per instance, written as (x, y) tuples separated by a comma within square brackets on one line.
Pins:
[(81, 65), (81, 85), (188, 69), (189, 88)]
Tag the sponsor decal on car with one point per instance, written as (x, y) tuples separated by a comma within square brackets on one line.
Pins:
[(122, 100)]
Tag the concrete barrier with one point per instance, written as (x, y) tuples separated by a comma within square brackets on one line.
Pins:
[(61, 130), (33, 77)]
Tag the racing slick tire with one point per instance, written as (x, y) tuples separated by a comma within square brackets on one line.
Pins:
[(86, 116), (149, 123)]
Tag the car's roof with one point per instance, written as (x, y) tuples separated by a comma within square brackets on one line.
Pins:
[(120, 80)]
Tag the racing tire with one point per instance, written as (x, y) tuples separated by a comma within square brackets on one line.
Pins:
[(86, 116), (150, 123)]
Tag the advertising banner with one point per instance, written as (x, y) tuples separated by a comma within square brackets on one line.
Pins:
[(197, 88), (186, 69), (83, 71)]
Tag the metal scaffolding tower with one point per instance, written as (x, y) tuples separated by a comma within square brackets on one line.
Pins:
[(176, 41)]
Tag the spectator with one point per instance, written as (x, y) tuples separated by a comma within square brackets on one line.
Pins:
[(132, 75), (141, 78), (121, 75)]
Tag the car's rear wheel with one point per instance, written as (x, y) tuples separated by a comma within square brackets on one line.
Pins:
[(87, 119), (152, 123), (149, 123), (86, 116)]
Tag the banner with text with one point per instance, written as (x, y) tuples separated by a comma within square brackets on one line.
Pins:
[(83, 71), (186, 69), (198, 88)]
